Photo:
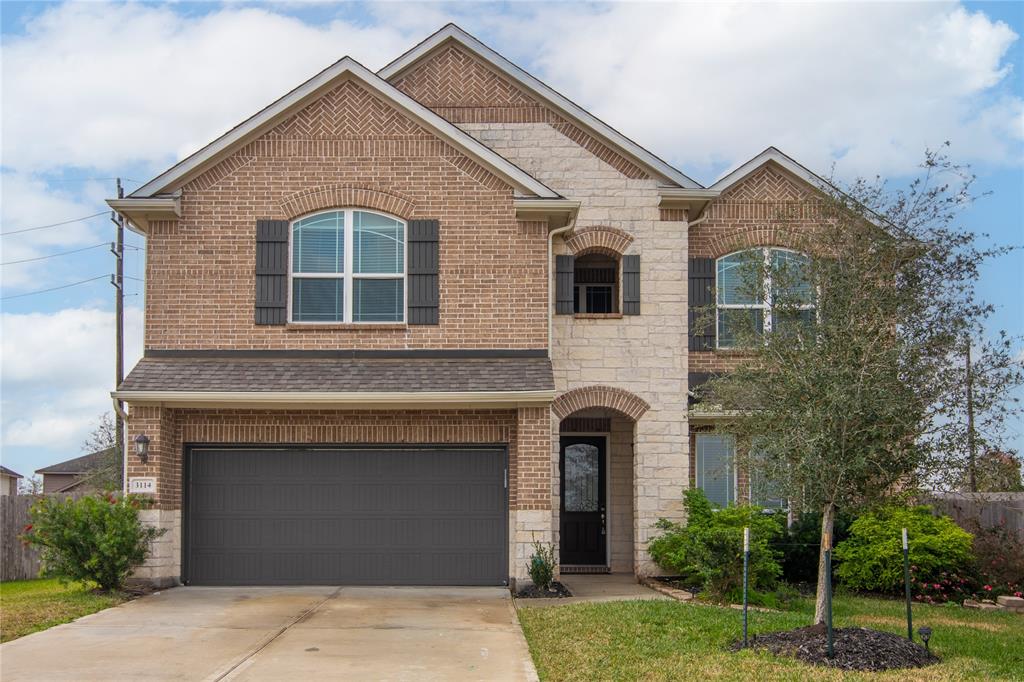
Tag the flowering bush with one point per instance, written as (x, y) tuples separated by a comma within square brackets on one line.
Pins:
[(998, 561), (951, 587), (98, 538)]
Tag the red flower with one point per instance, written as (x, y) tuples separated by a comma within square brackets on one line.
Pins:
[(27, 528), (988, 588)]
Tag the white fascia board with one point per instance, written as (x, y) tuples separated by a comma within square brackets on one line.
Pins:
[(552, 97), (139, 211), (272, 114), (367, 399)]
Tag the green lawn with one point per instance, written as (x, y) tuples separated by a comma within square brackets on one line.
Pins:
[(668, 640), (28, 606)]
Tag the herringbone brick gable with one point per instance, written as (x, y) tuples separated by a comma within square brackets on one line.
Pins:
[(348, 111), (767, 184)]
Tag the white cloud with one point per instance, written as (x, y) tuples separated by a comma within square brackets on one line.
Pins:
[(700, 84), (29, 202), (869, 84), (58, 370), (103, 85)]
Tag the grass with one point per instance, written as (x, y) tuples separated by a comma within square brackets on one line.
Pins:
[(669, 640), (28, 606)]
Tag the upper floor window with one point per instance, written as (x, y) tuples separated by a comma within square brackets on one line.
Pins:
[(761, 290), (596, 284), (347, 266)]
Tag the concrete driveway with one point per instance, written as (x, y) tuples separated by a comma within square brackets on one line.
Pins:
[(300, 633)]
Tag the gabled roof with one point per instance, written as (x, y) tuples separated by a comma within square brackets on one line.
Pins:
[(736, 176), (599, 128), (256, 125), (79, 465), (7, 472)]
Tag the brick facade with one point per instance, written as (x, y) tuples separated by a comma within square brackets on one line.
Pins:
[(349, 147)]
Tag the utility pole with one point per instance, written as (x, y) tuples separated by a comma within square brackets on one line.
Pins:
[(972, 460), (117, 248)]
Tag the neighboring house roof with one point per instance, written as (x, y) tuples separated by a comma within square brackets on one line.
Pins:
[(771, 154), (79, 465), (7, 472), (353, 380), (264, 120), (594, 125)]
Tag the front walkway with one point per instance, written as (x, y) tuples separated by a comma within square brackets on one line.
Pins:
[(264, 633), (597, 588)]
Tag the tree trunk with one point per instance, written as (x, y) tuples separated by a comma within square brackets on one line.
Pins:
[(827, 519)]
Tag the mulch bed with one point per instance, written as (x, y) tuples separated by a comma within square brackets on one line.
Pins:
[(556, 591), (680, 583), (855, 648)]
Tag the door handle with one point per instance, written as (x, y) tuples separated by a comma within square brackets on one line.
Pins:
[(602, 521)]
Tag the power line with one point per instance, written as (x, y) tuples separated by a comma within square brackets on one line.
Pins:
[(63, 286), (43, 227), (55, 255)]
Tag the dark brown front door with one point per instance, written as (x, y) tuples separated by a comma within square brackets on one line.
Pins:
[(583, 500)]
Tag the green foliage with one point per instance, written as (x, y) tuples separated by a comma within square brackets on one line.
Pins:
[(872, 557), (709, 546), (542, 565), (801, 542), (97, 538), (998, 566)]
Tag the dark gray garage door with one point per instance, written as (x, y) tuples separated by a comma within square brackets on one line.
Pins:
[(346, 516)]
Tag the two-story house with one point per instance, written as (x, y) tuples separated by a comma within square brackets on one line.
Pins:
[(401, 325)]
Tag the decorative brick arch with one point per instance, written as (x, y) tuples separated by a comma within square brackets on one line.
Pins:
[(755, 237), (599, 239), (609, 397), (345, 196)]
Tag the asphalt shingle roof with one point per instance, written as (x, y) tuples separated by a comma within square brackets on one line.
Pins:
[(340, 375), (78, 465), (8, 472)]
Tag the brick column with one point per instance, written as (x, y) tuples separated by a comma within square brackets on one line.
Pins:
[(530, 519)]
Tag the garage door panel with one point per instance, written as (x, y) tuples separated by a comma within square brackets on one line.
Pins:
[(430, 516)]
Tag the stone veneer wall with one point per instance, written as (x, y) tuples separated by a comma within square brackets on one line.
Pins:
[(642, 354)]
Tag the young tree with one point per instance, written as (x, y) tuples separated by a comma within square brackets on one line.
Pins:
[(841, 381), (107, 473)]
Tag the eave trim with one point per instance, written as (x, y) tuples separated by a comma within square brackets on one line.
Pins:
[(359, 399)]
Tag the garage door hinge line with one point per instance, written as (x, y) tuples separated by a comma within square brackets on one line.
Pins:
[(295, 621)]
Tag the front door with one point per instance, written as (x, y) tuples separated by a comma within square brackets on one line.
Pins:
[(583, 508)]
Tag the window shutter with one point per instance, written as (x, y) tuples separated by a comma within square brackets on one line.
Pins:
[(271, 271), (423, 264), (565, 273), (631, 285), (701, 292)]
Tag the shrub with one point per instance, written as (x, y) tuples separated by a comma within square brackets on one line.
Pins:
[(98, 538), (710, 546), (872, 557), (801, 543), (998, 560), (542, 565)]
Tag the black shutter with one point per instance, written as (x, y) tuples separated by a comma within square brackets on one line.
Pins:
[(423, 264), (631, 285), (565, 274), (702, 289), (271, 271)]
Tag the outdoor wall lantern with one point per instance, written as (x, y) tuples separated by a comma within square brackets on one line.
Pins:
[(142, 447)]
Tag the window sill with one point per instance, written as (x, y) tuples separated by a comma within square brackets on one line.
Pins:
[(340, 326), (597, 316)]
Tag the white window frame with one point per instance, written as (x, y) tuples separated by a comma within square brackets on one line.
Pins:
[(349, 276), (766, 295)]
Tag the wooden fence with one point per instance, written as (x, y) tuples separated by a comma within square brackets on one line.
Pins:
[(987, 509), (18, 562)]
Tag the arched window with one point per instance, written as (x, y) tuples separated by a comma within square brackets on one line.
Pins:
[(749, 282), (347, 266)]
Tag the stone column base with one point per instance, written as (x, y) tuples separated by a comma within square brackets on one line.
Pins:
[(163, 565)]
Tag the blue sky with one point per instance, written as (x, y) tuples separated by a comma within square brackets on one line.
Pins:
[(97, 90)]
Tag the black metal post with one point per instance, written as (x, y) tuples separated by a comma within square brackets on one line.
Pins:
[(906, 583), (831, 652), (746, 579)]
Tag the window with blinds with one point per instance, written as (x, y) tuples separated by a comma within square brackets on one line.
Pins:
[(347, 266), (716, 473)]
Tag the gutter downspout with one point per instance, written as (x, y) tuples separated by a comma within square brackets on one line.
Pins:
[(124, 446), (551, 289)]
